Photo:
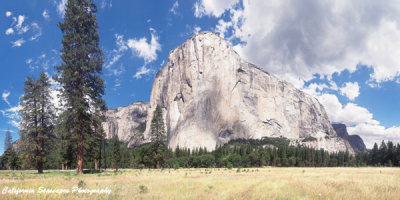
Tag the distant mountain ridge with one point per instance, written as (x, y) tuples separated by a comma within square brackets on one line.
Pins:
[(355, 141)]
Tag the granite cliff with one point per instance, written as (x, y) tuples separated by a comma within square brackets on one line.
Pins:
[(355, 141), (128, 123), (210, 95)]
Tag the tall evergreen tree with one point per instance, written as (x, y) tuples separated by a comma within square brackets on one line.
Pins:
[(157, 127), (65, 146), (116, 153), (7, 140), (37, 116), (158, 137), (375, 154), (79, 75)]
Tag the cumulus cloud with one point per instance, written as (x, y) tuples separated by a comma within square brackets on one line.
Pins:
[(8, 13), (296, 39), (144, 49), (61, 7), (350, 90), (19, 25), (9, 31), (213, 8), (222, 27), (18, 43), (196, 29), (315, 89), (372, 133), (359, 120), (174, 8), (45, 14), (21, 19)]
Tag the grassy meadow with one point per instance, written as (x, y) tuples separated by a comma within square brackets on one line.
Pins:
[(249, 183)]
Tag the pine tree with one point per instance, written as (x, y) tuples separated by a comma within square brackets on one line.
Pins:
[(374, 154), (7, 140), (158, 137), (383, 152), (66, 147), (116, 153), (37, 116), (79, 75)]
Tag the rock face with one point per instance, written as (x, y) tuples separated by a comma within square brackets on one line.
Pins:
[(355, 141), (210, 95), (128, 123)]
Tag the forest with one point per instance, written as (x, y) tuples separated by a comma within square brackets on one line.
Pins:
[(238, 153)]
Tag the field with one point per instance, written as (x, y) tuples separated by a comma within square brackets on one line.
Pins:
[(250, 183)]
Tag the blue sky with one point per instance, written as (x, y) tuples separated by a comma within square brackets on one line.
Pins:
[(345, 57)]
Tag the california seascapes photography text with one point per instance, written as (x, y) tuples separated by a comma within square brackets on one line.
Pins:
[(44, 190)]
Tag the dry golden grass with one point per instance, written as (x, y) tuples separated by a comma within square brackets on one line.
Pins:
[(252, 183)]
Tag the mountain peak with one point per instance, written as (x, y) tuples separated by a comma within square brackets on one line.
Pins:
[(210, 95)]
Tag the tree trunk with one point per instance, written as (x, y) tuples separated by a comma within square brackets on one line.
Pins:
[(158, 163), (62, 165), (96, 164), (40, 166), (79, 156)]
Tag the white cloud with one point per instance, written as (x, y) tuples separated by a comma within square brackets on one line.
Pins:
[(213, 7), (143, 71), (116, 54), (21, 19), (196, 29), (18, 43), (372, 133), (37, 29), (19, 24), (12, 113), (350, 90), (118, 71), (5, 96), (140, 48), (143, 49), (296, 39), (15, 123), (174, 8), (315, 89), (61, 7), (351, 114), (358, 120), (45, 14), (222, 27), (8, 13), (9, 31), (28, 61)]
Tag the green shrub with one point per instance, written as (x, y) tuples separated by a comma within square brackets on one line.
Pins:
[(143, 189), (176, 165), (229, 165), (309, 139), (81, 184)]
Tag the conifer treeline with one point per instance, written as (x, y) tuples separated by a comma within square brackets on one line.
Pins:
[(238, 153), (246, 153)]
